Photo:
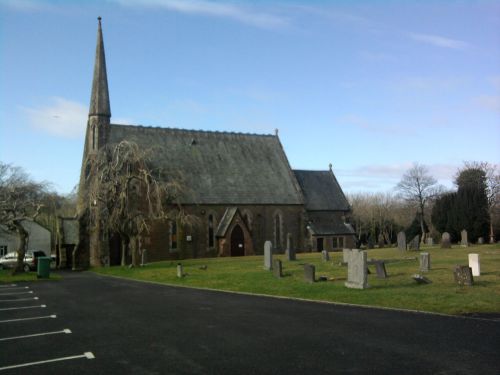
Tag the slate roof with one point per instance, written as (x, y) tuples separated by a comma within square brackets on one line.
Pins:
[(219, 167), (335, 227), (321, 190)]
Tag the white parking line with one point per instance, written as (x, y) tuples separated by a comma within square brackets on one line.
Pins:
[(12, 294), (18, 287), (88, 355), (6, 286), (32, 318), (36, 334), (24, 307), (18, 299)]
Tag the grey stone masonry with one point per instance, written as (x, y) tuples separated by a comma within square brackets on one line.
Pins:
[(401, 241), (464, 242), (290, 250), (325, 256), (357, 276), (278, 268), (474, 264), (463, 275), (425, 262), (445, 241), (309, 273), (268, 255)]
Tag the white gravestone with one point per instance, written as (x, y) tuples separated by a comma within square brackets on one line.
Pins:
[(474, 264), (268, 255), (425, 262), (357, 276)]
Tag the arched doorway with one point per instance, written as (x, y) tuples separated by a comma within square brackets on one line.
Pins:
[(237, 242)]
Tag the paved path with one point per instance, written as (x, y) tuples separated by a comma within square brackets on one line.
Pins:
[(140, 328)]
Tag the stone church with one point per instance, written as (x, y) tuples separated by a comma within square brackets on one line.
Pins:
[(242, 191)]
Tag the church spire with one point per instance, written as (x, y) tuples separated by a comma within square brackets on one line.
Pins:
[(99, 100)]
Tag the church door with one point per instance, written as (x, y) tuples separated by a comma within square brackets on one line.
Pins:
[(237, 242)]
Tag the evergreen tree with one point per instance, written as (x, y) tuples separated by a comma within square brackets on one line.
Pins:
[(444, 215)]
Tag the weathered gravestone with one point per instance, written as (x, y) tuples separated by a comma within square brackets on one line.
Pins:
[(401, 241), (325, 256), (429, 241), (415, 243), (464, 242), (290, 250), (480, 240), (381, 241), (278, 268), (309, 273), (268, 255), (380, 268), (345, 255), (371, 244), (180, 271), (463, 275), (445, 241), (356, 270), (474, 264), (425, 262)]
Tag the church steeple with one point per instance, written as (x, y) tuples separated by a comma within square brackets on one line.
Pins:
[(99, 100)]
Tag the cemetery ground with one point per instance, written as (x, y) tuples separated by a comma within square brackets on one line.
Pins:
[(398, 290)]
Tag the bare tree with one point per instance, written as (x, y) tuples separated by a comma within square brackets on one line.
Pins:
[(492, 174), (20, 199), (127, 195), (417, 187)]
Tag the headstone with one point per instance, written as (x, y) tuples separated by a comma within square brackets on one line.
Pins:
[(356, 270), (345, 255), (278, 268), (268, 255), (371, 244), (430, 241), (480, 240), (381, 241), (415, 243), (144, 257), (290, 250), (180, 272), (421, 279), (425, 262), (464, 242), (445, 241), (309, 273), (474, 264), (463, 275), (401, 241), (325, 256), (380, 267)]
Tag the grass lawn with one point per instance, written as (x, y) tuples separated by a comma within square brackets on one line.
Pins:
[(399, 290), (7, 277)]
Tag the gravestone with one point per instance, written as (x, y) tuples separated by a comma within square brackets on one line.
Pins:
[(425, 262), (381, 241), (421, 279), (357, 276), (464, 242), (144, 257), (268, 255), (430, 241), (180, 272), (480, 240), (380, 268), (309, 273), (401, 241), (415, 243), (278, 268), (345, 255), (290, 250), (371, 244), (463, 275), (474, 264), (325, 256), (445, 241)]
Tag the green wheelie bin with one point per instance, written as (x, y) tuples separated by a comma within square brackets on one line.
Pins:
[(43, 267)]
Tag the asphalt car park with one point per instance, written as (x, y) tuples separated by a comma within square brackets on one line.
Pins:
[(133, 327)]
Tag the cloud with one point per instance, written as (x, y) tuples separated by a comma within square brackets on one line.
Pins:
[(439, 41), (214, 9), (62, 117), (489, 102)]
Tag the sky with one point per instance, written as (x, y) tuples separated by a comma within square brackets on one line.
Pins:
[(368, 86)]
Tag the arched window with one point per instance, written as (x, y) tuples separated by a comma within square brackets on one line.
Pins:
[(211, 231), (277, 231)]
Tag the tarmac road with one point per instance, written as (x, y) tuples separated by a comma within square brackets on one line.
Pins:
[(141, 328)]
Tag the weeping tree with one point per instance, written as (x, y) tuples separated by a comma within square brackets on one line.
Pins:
[(128, 195), (21, 199)]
